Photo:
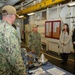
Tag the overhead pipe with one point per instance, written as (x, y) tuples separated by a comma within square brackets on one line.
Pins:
[(19, 6), (28, 2), (11, 2), (41, 5)]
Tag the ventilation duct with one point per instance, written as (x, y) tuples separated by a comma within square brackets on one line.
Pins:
[(11, 2)]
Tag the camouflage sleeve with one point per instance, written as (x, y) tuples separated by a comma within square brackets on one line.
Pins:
[(14, 55), (40, 44), (30, 42)]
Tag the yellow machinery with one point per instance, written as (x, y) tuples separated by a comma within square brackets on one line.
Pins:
[(41, 5)]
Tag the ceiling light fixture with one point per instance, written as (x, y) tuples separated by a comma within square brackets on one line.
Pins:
[(31, 13), (21, 16), (71, 4)]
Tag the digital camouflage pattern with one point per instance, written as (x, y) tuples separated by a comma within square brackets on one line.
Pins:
[(35, 42), (11, 62)]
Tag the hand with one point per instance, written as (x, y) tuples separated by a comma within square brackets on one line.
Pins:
[(33, 51), (63, 44), (30, 55), (73, 42)]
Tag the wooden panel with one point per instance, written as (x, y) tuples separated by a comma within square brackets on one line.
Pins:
[(56, 34), (52, 29)]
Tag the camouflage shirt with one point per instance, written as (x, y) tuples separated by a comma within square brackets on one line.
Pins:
[(35, 42), (11, 62)]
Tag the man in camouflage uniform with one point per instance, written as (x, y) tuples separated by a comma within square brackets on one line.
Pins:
[(11, 62), (35, 41)]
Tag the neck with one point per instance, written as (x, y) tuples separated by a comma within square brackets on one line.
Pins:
[(35, 31), (7, 20), (64, 30)]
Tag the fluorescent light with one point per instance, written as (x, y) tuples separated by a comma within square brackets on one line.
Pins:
[(71, 4), (21, 16), (31, 13)]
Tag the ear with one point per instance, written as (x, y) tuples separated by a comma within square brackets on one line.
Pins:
[(12, 15)]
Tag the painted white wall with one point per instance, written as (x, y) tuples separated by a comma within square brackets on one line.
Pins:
[(74, 18), (31, 20), (20, 23), (59, 12)]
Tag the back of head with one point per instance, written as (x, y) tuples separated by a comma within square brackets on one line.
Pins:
[(9, 14), (8, 10)]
